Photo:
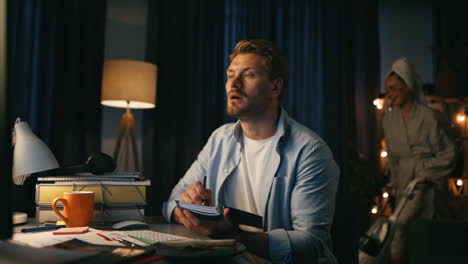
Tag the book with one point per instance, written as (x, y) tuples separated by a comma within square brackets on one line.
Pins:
[(101, 214), (11, 252), (122, 254), (85, 176), (199, 248), (106, 192), (216, 212), (71, 230)]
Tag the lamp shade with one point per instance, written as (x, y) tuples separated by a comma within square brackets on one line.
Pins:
[(30, 154), (129, 81)]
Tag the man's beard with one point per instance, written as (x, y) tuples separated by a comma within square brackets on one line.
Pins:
[(234, 111), (242, 111)]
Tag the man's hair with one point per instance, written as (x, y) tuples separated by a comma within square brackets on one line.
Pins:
[(276, 63)]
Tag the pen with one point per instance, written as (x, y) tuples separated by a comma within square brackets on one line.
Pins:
[(41, 228), (204, 187), (128, 243), (103, 236)]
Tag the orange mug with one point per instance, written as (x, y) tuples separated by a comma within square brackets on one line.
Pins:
[(78, 208)]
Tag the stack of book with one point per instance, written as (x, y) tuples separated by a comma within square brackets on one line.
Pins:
[(118, 196)]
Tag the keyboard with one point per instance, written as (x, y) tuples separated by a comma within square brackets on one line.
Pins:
[(151, 237)]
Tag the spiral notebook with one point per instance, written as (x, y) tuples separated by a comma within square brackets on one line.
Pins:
[(216, 212), (114, 176)]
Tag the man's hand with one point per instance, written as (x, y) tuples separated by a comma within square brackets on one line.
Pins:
[(211, 228), (195, 194)]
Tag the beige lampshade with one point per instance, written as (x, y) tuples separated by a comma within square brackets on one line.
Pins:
[(129, 81), (30, 154)]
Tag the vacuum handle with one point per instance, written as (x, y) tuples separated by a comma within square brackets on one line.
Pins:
[(408, 192)]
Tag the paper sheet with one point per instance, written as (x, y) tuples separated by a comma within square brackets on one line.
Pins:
[(44, 239)]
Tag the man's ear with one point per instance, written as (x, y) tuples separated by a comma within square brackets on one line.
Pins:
[(277, 86)]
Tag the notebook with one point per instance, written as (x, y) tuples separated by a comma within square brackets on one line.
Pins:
[(115, 193), (216, 212), (151, 237), (85, 176)]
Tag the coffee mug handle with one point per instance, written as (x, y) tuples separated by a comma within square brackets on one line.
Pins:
[(54, 207)]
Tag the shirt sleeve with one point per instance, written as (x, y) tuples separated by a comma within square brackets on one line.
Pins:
[(312, 209), (196, 172)]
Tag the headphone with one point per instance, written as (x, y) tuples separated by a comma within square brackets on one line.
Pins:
[(97, 163)]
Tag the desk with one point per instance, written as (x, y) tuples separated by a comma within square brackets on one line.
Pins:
[(158, 224)]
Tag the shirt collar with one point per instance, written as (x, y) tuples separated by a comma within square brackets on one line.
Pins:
[(282, 129)]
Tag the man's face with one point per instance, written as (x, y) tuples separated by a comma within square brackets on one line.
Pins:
[(397, 91), (249, 89)]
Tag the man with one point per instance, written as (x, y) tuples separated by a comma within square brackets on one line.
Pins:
[(267, 164)]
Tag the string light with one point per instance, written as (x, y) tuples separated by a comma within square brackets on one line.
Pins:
[(461, 118), (378, 102), (459, 182), (383, 154), (374, 209), (385, 195)]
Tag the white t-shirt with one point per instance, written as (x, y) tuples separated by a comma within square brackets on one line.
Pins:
[(241, 188)]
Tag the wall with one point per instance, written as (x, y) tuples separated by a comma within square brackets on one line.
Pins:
[(406, 30), (125, 39)]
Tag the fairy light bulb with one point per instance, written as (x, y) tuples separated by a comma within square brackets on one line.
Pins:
[(378, 102), (461, 118), (459, 182), (374, 209), (385, 195), (383, 154)]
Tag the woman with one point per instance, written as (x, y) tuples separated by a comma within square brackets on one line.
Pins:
[(419, 147)]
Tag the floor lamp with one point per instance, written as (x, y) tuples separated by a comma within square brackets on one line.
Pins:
[(128, 84)]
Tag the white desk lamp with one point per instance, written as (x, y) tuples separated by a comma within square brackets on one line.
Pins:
[(128, 84), (30, 155)]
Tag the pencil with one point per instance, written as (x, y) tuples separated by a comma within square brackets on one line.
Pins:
[(204, 187)]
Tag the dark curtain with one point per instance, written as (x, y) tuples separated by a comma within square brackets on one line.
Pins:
[(185, 40), (333, 54), (5, 157), (451, 47), (55, 52)]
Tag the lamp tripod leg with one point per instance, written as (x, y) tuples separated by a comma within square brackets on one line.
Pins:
[(127, 132), (132, 132), (119, 139), (127, 146)]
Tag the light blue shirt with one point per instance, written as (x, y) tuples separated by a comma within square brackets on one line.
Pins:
[(298, 194)]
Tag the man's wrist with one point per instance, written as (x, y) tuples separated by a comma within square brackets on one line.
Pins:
[(232, 233)]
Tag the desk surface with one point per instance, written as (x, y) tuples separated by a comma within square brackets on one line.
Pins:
[(157, 223)]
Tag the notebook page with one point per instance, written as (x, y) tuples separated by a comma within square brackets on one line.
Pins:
[(200, 209)]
